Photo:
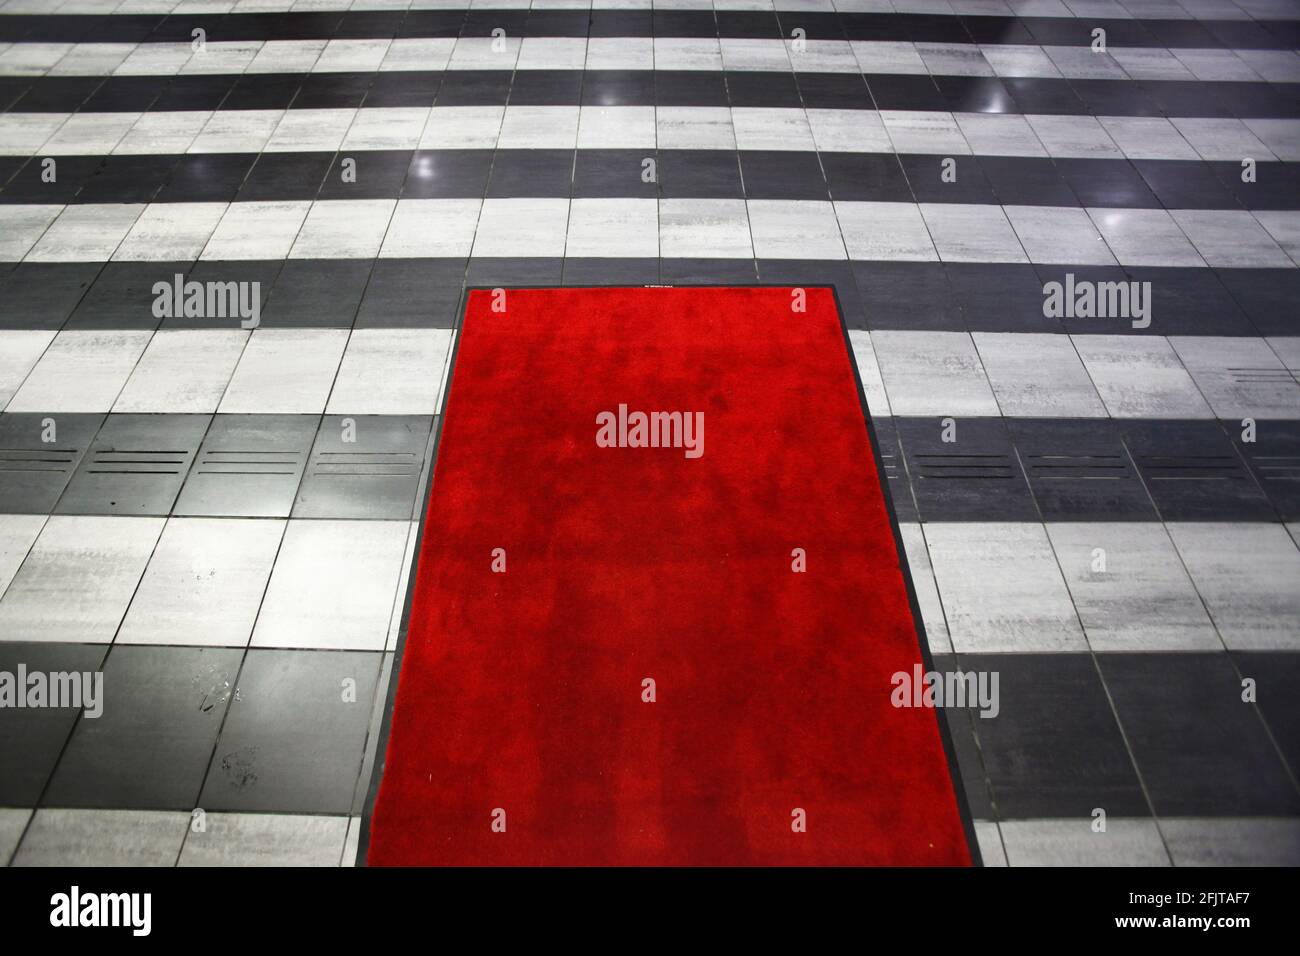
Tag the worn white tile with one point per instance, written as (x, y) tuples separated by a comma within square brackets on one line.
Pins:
[(385, 128), (1081, 137), (965, 232), (794, 229), (256, 230), (1145, 237), (485, 53), (77, 579), (310, 131), (19, 351), (1247, 574), (873, 386), (1284, 226), (1222, 140), (1037, 375), (22, 134), (221, 58), (616, 127), (285, 371), (686, 53), (847, 131), (1232, 841), (343, 229), (1059, 234), (539, 127), (1148, 137), (1239, 377), (989, 840), (163, 132), (704, 228), (1075, 843), (1130, 588), (22, 226), (880, 56), (333, 585), (391, 372), (237, 131), (999, 134), (86, 233), (694, 127), (176, 232), (1282, 136), (1140, 377), (463, 127), (287, 56), (68, 838), (13, 821), (1015, 59), (183, 371), (885, 230), (933, 132), (204, 583), (522, 227), (1231, 238), (954, 59), (90, 134), (741, 54), (602, 228), (423, 228), (927, 594), (17, 535), (80, 371), (933, 373), (776, 129), (1001, 589), (619, 53), (266, 839)]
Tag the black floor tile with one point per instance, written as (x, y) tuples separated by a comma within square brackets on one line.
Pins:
[(770, 90), (1026, 181), (1193, 472), (206, 177), (122, 295), (700, 174), (865, 177), (1277, 692), (248, 466), (618, 88), (833, 91), (374, 474), (71, 173), (1190, 301), (332, 91), (891, 91), (259, 274), (1200, 749), (474, 88), (615, 173), (295, 735), (907, 295), (689, 88), (931, 181), (494, 272), (31, 738), (284, 177), (150, 747), (1054, 749), (532, 173), (403, 88), (780, 174), (1274, 458), (1079, 470), (546, 88), (1106, 182), (317, 293), (1184, 184), (412, 293), (1267, 296), (1002, 297), (135, 465), (975, 94), (371, 174), (687, 272), (448, 174), (611, 272), (891, 460), (41, 295), (977, 477), (33, 470)]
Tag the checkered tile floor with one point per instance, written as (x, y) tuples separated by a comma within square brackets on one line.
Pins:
[(222, 518)]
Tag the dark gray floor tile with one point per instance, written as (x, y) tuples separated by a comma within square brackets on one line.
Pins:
[(1274, 459), (249, 466), (1079, 470), (135, 465), (149, 749), (259, 274), (975, 478), (412, 293), (1202, 751), (1277, 692), (1054, 749), (375, 475), (41, 295), (33, 473), (295, 737), (317, 293), (31, 738), (896, 483)]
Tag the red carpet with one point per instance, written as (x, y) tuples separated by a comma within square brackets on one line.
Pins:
[(523, 691)]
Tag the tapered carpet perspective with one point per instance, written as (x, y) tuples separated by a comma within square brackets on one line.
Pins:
[(659, 602)]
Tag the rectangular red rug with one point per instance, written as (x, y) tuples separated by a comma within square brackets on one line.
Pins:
[(659, 601)]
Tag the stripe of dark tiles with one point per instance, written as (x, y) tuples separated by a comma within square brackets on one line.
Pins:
[(875, 295), (387, 24), (1019, 469), (1057, 96), (682, 174)]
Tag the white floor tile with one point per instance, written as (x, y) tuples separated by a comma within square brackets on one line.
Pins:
[(927, 593), (522, 227), (794, 229), (1075, 843), (391, 372), (333, 585), (1140, 377), (88, 233), (1239, 377), (80, 372), (616, 127), (1001, 589), (204, 583), (184, 370), (17, 535), (762, 128), (1232, 841), (704, 228), (1247, 574), (423, 228), (885, 231), (873, 386), (969, 233), (1143, 600), (78, 579), (285, 371), (171, 231), (13, 822), (266, 839), (67, 838), (256, 230), (933, 373), (1037, 375), (20, 349), (343, 229), (603, 228), (1231, 238), (1058, 234)]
